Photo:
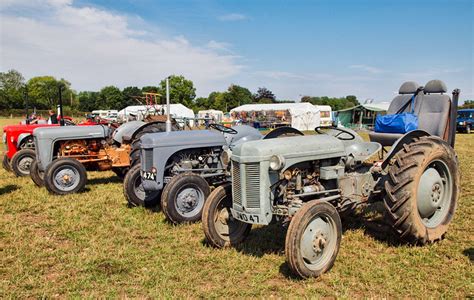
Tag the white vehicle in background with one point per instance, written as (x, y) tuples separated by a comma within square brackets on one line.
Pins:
[(325, 114), (110, 115)]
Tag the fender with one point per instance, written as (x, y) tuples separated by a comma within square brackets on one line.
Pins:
[(281, 131), (21, 138), (407, 138), (126, 131)]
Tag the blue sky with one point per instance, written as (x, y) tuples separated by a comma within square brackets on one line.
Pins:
[(334, 48)]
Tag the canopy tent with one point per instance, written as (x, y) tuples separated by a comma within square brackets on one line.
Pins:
[(361, 115), (302, 116), (177, 111), (216, 115)]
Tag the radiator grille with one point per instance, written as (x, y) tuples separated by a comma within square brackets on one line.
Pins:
[(252, 185), (148, 158), (236, 187)]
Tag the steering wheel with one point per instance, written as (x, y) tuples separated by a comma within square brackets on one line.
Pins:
[(352, 136), (223, 129)]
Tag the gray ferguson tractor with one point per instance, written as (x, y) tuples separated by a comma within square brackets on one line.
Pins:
[(308, 181), (181, 167)]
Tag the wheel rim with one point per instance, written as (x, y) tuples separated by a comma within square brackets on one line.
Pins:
[(319, 241), (227, 227), (189, 201), (24, 164), (434, 195), (66, 178)]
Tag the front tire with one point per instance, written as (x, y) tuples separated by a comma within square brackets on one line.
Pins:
[(65, 176), (21, 162), (6, 163), (36, 175), (422, 190), (183, 198), (134, 191), (313, 239), (220, 227)]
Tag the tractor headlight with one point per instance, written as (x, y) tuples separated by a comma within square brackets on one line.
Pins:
[(277, 162), (461, 123), (225, 157)]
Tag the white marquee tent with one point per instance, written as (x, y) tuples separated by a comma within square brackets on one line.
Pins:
[(178, 111), (304, 116)]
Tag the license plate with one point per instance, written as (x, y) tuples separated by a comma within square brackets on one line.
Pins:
[(247, 218), (147, 175)]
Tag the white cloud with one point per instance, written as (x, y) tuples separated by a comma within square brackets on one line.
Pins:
[(232, 17), (369, 69), (219, 46), (93, 47)]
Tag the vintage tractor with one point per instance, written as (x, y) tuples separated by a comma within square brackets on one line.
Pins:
[(64, 153), (182, 166), (306, 182)]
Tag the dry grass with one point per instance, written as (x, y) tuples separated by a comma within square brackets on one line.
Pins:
[(92, 245)]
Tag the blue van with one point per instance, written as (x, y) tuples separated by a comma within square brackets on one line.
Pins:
[(465, 120)]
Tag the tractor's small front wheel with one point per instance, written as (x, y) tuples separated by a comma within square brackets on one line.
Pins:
[(422, 189), (21, 162), (313, 239), (6, 163), (65, 176), (36, 175), (220, 227), (134, 191), (183, 198)]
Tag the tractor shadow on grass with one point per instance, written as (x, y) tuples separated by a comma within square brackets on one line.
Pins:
[(104, 180), (8, 189), (469, 252)]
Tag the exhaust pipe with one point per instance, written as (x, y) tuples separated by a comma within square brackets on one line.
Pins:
[(168, 119), (453, 116), (61, 121)]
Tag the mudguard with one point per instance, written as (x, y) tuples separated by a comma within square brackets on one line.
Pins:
[(407, 138), (22, 137), (281, 131), (127, 130)]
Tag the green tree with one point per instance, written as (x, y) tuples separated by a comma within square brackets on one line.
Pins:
[(182, 90), (216, 100), (467, 104), (263, 95), (130, 95), (335, 103), (88, 101), (110, 97), (44, 90), (12, 86), (236, 96)]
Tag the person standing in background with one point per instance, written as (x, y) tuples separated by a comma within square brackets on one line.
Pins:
[(53, 117)]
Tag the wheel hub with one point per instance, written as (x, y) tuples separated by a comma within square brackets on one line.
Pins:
[(430, 192), (223, 216), (25, 163), (189, 201), (319, 242)]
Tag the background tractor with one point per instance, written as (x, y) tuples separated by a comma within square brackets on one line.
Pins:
[(63, 154), (181, 167), (306, 182)]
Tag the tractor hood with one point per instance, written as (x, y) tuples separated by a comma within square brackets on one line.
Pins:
[(71, 132), (292, 149), (195, 138)]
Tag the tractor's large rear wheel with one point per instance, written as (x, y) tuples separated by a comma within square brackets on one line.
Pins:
[(36, 175), (313, 239), (422, 190), (21, 162), (6, 163), (220, 227), (65, 176), (134, 191)]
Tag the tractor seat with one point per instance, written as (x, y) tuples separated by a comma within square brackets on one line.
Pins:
[(406, 91), (432, 108)]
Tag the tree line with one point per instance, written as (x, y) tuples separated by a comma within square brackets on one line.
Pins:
[(42, 93)]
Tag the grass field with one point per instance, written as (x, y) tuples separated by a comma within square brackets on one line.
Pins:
[(92, 245)]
